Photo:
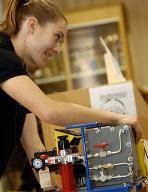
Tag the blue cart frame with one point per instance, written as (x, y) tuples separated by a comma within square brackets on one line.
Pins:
[(127, 188)]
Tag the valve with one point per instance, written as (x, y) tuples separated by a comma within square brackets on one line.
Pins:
[(102, 146), (44, 156)]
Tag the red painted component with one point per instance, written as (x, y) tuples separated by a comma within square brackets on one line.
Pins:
[(101, 145), (44, 156), (51, 161), (143, 189), (67, 175)]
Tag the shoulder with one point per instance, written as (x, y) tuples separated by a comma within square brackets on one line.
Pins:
[(10, 65), (8, 57)]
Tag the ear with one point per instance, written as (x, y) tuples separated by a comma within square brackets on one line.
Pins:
[(32, 24)]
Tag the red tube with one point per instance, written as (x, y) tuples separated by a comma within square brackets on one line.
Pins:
[(67, 175)]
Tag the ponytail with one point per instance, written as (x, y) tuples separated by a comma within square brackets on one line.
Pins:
[(8, 26), (17, 10)]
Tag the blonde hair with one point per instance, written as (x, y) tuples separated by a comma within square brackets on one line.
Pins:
[(17, 10)]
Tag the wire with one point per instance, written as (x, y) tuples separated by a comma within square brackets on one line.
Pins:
[(146, 153)]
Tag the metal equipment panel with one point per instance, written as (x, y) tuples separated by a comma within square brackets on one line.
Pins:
[(112, 155)]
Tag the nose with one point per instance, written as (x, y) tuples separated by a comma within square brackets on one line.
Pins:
[(57, 48)]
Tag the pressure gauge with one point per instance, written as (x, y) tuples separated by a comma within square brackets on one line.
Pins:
[(37, 163)]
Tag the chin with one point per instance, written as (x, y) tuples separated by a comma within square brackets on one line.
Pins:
[(31, 67), (41, 65), (38, 64)]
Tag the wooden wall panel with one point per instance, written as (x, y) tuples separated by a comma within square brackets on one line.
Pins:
[(1, 9), (78, 4), (137, 22)]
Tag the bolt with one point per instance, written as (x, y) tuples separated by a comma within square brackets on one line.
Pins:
[(98, 131), (128, 144), (125, 127), (112, 129), (130, 158)]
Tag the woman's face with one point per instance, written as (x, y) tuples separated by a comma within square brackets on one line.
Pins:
[(45, 41)]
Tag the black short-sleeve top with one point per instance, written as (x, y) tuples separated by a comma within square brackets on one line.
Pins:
[(12, 114)]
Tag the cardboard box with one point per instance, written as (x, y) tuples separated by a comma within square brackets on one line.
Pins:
[(122, 97)]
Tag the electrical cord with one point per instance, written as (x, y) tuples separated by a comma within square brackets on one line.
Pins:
[(146, 153)]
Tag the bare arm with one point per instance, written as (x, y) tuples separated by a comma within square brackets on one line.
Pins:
[(24, 90), (31, 142), (30, 139)]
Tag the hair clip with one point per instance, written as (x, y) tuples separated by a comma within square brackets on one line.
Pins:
[(26, 2)]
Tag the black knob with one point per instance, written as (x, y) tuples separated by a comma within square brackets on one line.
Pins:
[(63, 143)]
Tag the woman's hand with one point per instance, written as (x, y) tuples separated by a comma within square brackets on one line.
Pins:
[(134, 123)]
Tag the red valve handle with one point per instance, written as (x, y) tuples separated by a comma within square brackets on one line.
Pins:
[(43, 156), (101, 145)]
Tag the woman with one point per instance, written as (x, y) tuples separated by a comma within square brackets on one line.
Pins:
[(32, 31)]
